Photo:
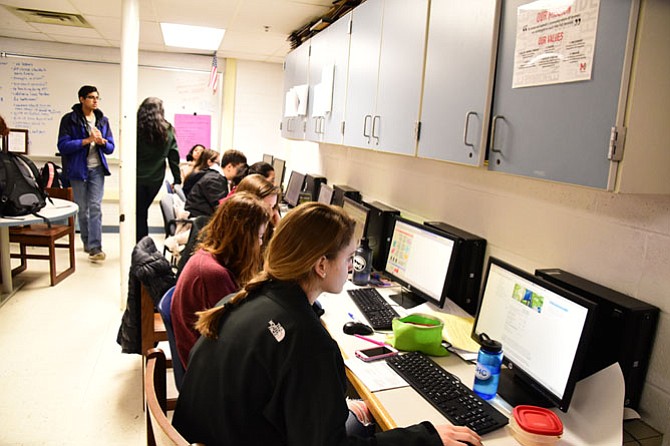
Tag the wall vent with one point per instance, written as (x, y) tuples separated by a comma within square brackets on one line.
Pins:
[(50, 17)]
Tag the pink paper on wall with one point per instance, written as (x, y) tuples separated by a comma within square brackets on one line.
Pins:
[(191, 130)]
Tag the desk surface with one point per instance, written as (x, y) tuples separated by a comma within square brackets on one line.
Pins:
[(58, 209), (600, 396)]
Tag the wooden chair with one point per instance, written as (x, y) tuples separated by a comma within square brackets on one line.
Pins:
[(160, 431), (41, 235)]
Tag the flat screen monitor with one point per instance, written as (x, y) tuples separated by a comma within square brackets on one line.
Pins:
[(421, 260), (268, 158), (279, 166), (359, 213), (295, 183), (544, 331), (325, 194)]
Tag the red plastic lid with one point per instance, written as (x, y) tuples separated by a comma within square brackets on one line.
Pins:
[(538, 420)]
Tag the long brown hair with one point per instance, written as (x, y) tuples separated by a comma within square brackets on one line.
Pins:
[(232, 235), (307, 233)]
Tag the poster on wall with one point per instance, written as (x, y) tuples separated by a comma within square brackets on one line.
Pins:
[(555, 42), (192, 129)]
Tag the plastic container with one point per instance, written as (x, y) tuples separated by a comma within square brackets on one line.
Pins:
[(535, 426), (487, 370), (362, 263)]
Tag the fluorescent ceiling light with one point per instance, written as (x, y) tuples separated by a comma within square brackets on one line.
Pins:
[(187, 36)]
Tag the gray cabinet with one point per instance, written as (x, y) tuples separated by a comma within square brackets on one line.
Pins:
[(296, 75), (385, 73), (561, 132), (329, 56), (460, 59)]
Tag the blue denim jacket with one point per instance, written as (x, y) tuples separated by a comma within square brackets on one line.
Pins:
[(72, 130)]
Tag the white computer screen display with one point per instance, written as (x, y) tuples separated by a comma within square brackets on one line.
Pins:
[(325, 194), (359, 213), (540, 330), (294, 188), (420, 258)]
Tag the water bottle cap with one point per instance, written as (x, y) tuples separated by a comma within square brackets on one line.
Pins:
[(364, 242), (489, 344)]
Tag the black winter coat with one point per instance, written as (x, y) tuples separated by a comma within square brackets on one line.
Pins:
[(150, 268)]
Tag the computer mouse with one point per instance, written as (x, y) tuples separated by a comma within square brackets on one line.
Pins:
[(359, 328)]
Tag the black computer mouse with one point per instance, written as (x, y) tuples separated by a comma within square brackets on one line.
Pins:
[(359, 328)]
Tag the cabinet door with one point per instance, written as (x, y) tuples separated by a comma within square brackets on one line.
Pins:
[(363, 72), (296, 73), (560, 132), (460, 59), (400, 75), (330, 48)]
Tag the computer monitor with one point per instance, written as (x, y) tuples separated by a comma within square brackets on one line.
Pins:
[(268, 158), (279, 166), (325, 194), (359, 213), (421, 260), (295, 183), (544, 330)]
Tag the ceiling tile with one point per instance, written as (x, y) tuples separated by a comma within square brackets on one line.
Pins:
[(60, 30)]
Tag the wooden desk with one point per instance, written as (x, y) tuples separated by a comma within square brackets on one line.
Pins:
[(595, 416), (57, 210)]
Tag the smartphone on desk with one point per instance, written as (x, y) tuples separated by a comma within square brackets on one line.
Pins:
[(375, 353)]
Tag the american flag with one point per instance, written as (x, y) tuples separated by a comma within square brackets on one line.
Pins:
[(214, 74)]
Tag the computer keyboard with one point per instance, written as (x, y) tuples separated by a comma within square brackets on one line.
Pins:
[(447, 393), (376, 310)]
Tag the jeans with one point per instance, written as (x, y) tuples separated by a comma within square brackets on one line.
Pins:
[(88, 196)]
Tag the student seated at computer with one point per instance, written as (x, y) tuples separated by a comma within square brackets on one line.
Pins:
[(228, 255), (265, 190), (266, 371), (207, 158), (263, 168), (210, 189)]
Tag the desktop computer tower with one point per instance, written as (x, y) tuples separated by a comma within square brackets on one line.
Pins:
[(313, 184), (469, 266), (342, 190), (624, 330), (379, 232)]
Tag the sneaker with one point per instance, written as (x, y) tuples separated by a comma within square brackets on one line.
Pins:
[(96, 255), (87, 249)]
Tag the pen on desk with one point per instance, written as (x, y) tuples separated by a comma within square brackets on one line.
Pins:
[(374, 341), (351, 316)]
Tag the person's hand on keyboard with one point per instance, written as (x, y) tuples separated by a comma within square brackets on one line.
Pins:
[(458, 435)]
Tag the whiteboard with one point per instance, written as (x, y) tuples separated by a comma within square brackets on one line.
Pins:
[(36, 92)]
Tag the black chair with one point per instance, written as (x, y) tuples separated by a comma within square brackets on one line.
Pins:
[(196, 226), (164, 310), (170, 219)]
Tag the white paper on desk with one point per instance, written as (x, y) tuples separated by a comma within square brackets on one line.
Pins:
[(375, 375)]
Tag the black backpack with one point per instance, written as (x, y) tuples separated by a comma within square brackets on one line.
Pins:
[(51, 175), (21, 191)]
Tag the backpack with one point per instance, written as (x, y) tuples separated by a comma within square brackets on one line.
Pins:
[(21, 190), (51, 175)]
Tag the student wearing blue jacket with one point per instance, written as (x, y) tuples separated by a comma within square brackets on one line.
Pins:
[(84, 138)]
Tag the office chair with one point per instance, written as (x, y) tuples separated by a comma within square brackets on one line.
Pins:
[(164, 310)]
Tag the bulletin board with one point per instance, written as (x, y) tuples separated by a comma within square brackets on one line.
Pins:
[(36, 92)]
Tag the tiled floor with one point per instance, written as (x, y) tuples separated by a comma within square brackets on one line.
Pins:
[(63, 378)]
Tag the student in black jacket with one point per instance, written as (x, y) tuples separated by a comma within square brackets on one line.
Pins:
[(265, 371)]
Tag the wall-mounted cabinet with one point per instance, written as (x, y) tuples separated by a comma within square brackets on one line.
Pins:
[(385, 74), (296, 79), (458, 81), (562, 131), (328, 68)]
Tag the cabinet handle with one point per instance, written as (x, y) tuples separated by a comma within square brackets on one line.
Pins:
[(376, 119), (316, 124), (288, 124), (465, 130), (365, 126), (493, 133), (322, 127)]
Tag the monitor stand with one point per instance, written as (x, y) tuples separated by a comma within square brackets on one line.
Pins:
[(516, 391), (406, 299)]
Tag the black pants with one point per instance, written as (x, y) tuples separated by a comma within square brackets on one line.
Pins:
[(144, 196)]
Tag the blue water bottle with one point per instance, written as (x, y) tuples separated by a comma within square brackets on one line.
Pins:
[(487, 371)]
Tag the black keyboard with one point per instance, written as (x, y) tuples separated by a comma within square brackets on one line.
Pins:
[(447, 393), (376, 310)]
